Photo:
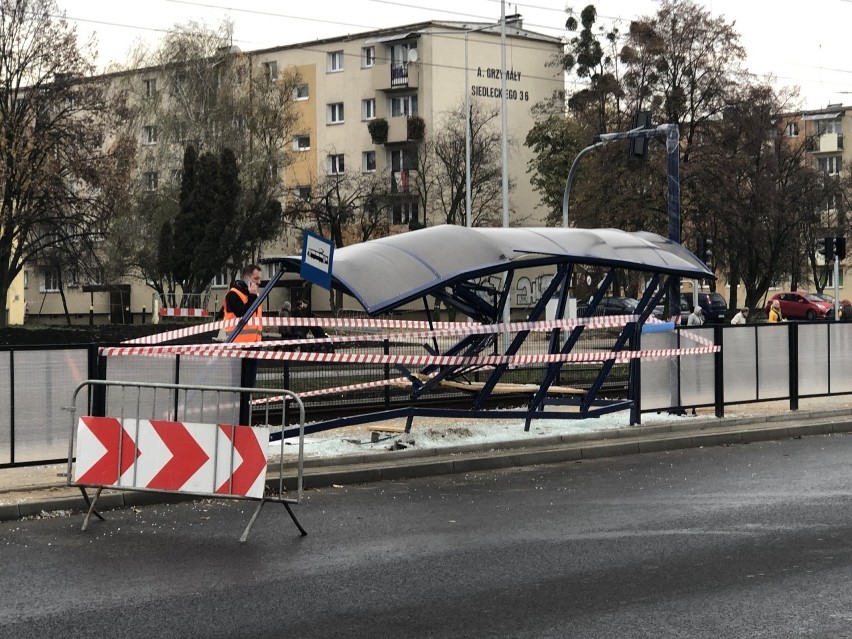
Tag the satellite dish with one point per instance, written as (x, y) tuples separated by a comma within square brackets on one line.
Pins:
[(412, 55)]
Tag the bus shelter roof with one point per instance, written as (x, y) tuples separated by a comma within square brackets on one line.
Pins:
[(389, 272)]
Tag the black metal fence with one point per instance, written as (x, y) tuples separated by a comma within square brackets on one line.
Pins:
[(758, 362)]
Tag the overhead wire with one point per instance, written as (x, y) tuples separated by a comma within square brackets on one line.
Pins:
[(407, 5)]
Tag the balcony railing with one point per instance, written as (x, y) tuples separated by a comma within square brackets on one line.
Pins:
[(396, 75)]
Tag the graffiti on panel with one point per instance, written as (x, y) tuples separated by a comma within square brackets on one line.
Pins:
[(528, 290), (489, 287)]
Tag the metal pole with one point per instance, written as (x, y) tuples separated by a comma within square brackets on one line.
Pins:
[(507, 308), (467, 196), (566, 196), (836, 286), (673, 150), (504, 120)]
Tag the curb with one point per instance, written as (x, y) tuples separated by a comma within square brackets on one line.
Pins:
[(467, 458)]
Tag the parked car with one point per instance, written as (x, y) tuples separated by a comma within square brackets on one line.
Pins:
[(799, 305), (612, 306), (714, 306), (660, 311)]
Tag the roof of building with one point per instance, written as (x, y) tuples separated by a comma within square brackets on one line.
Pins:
[(386, 273)]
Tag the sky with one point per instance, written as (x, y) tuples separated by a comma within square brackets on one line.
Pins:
[(803, 45)]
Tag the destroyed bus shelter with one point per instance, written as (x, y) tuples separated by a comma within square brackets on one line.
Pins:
[(448, 263)]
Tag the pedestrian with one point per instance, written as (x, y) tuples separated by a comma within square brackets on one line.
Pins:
[(741, 317), (775, 312), (696, 318), (285, 330), (239, 298), (845, 311), (301, 332)]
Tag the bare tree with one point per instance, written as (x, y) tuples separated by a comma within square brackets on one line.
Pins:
[(197, 89), (61, 170), (348, 207), (440, 179)]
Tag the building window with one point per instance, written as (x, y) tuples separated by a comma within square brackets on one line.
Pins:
[(302, 193), (404, 213), (368, 57), (302, 143), (403, 105), (335, 164), (368, 164), (150, 180), (50, 280), (792, 130), (150, 87), (829, 126), (270, 70), (220, 280), (335, 61), (368, 109), (302, 92), (335, 113), (402, 159), (829, 165), (149, 135)]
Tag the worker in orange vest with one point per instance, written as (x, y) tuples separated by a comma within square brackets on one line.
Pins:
[(240, 297)]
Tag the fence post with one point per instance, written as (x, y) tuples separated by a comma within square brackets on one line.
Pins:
[(248, 375), (719, 371), (793, 348), (98, 391), (387, 375), (634, 381), (12, 405)]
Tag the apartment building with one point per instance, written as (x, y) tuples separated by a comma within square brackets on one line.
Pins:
[(406, 80), (823, 132)]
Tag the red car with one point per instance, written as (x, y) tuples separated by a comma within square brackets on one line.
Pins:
[(798, 305)]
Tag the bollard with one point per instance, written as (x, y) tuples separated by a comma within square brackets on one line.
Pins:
[(91, 315)]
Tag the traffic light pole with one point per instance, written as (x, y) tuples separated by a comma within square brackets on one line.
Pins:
[(836, 288), (672, 135)]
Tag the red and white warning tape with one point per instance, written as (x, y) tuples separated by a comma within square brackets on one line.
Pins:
[(442, 328), (419, 360)]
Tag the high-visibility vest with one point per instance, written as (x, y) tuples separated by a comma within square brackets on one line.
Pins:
[(252, 331)]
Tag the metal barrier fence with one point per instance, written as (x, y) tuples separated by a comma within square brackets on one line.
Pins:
[(35, 382), (178, 438), (757, 363)]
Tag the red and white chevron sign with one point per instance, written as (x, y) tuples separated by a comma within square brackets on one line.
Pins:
[(203, 459)]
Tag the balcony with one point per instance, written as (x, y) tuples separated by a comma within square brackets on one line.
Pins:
[(404, 128), (825, 143), (396, 75)]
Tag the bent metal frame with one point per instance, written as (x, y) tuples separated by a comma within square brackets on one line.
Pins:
[(447, 263)]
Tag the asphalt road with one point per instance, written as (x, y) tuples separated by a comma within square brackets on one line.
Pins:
[(738, 541)]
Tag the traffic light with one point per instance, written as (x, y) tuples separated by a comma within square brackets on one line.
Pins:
[(840, 247), (639, 146), (705, 250), (825, 247)]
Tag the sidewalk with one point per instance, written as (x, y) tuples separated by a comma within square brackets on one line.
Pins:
[(441, 446)]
